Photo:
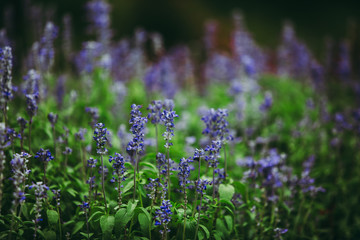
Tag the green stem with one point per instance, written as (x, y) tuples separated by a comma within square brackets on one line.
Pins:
[(185, 206), (134, 192), (102, 181), (168, 170), (225, 164), (198, 221), (30, 123)]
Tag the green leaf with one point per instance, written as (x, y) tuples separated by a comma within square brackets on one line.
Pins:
[(127, 187), (50, 235), (95, 215), (107, 225), (144, 223), (79, 225), (205, 230), (229, 222), (53, 217), (149, 165), (86, 235), (226, 191)]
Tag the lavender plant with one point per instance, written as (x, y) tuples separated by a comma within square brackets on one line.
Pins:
[(119, 171), (100, 137), (44, 155)]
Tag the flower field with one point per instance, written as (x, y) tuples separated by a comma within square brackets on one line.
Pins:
[(133, 140)]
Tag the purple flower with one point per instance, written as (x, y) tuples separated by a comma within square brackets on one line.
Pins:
[(32, 82), (136, 145), (99, 16), (213, 153), (201, 186), (155, 108), (46, 52), (268, 102), (6, 74), (94, 114), (100, 137), (32, 104), (52, 117), (44, 155), (20, 175), (79, 136), (163, 216), (216, 124), (118, 164), (40, 196), (184, 171), (167, 117)]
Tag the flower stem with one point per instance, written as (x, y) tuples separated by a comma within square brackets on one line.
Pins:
[(198, 221), (102, 181)]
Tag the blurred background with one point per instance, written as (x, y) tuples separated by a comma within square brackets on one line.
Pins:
[(183, 21)]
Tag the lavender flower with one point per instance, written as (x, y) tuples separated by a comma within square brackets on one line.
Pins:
[(5, 74), (80, 135), (99, 16), (184, 171), (268, 102), (44, 155), (100, 137), (67, 151), (279, 232), (40, 196), (57, 197), (119, 171), (46, 51), (163, 216), (32, 104), (20, 176), (201, 186), (306, 182), (32, 80), (136, 145), (91, 162), (52, 117), (155, 108), (216, 125), (167, 117), (94, 114), (213, 153)]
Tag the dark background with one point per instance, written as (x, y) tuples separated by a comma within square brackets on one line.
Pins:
[(183, 21)]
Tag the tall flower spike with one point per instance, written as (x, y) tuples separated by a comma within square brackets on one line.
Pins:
[(155, 109), (136, 145), (167, 118), (5, 74), (44, 155), (46, 51), (119, 171), (163, 216), (184, 171), (32, 104), (31, 82), (100, 137), (40, 196), (52, 117), (216, 124), (20, 176)]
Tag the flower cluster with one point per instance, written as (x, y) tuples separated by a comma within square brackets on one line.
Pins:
[(216, 125), (213, 153), (268, 101), (40, 195), (91, 162), (79, 136), (20, 175), (118, 163), (136, 145), (184, 171), (32, 81), (32, 104), (163, 216), (5, 74), (57, 196), (94, 114), (201, 186), (46, 51), (100, 137), (167, 117), (44, 155), (99, 16), (155, 108), (52, 117), (306, 182)]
